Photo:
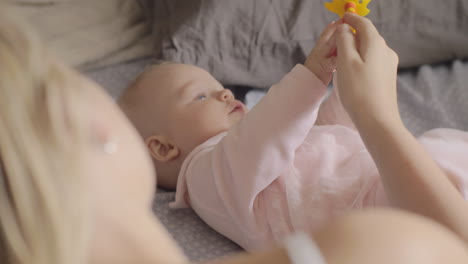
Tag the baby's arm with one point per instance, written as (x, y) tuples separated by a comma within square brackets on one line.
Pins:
[(264, 142), (332, 112), (412, 179)]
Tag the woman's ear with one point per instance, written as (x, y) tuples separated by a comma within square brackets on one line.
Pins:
[(161, 148)]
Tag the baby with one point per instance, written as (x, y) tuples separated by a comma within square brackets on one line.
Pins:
[(290, 164)]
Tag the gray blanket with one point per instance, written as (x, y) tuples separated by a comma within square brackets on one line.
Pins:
[(434, 97), (254, 43)]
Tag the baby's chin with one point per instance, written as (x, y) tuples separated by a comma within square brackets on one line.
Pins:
[(238, 115)]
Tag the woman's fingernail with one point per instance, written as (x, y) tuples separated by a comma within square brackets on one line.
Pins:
[(345, 27)]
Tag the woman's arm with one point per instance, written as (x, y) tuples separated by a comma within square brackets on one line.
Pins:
[(406, 239), (274, 256), (413, 181)]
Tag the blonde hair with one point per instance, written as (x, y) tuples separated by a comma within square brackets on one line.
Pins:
[(42, 216)]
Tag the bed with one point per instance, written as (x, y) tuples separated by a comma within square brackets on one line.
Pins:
[(250, 45), (430, 96), (432, 82)]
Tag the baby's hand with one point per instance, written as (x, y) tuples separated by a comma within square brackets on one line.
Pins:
[(367, 70), (322, 59)]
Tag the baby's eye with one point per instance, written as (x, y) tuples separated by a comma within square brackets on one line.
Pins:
[(200, 97)]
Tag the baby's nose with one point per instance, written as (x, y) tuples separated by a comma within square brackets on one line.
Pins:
[(226, 95)]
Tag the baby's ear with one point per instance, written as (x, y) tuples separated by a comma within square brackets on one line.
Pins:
[(161, 148)]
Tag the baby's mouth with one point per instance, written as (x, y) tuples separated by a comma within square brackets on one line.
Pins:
[(237, 108)]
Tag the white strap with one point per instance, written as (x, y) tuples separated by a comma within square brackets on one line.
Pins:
[(303, 250)]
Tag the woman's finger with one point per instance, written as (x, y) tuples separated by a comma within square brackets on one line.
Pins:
[(363, 25), (366, 33), (346, 45)]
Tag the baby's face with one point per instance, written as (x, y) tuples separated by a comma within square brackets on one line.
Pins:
[(196, 106)]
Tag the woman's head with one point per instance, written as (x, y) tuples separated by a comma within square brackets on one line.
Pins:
[(74, 176)]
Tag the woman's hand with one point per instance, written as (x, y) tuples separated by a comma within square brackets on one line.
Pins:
[(322, 59), (367, 70)]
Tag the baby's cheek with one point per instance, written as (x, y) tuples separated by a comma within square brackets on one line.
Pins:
[(204, 125)]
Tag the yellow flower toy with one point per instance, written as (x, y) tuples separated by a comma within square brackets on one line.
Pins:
[(354, 6)]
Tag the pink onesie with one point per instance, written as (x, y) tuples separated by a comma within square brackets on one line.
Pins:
[(288, 166)]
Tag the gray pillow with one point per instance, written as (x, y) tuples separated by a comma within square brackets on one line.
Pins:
[(254, 43)]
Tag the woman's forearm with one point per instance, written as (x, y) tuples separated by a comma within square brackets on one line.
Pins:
[(412, 179), (275, 256)]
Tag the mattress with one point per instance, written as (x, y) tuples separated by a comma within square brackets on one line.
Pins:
[(429, 96)]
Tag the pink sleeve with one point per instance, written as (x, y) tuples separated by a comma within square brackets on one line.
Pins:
[(332, 112), (263, 144), (259, 148)]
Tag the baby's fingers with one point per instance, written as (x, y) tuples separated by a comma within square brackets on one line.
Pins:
[(326, 44), (327, 33)]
